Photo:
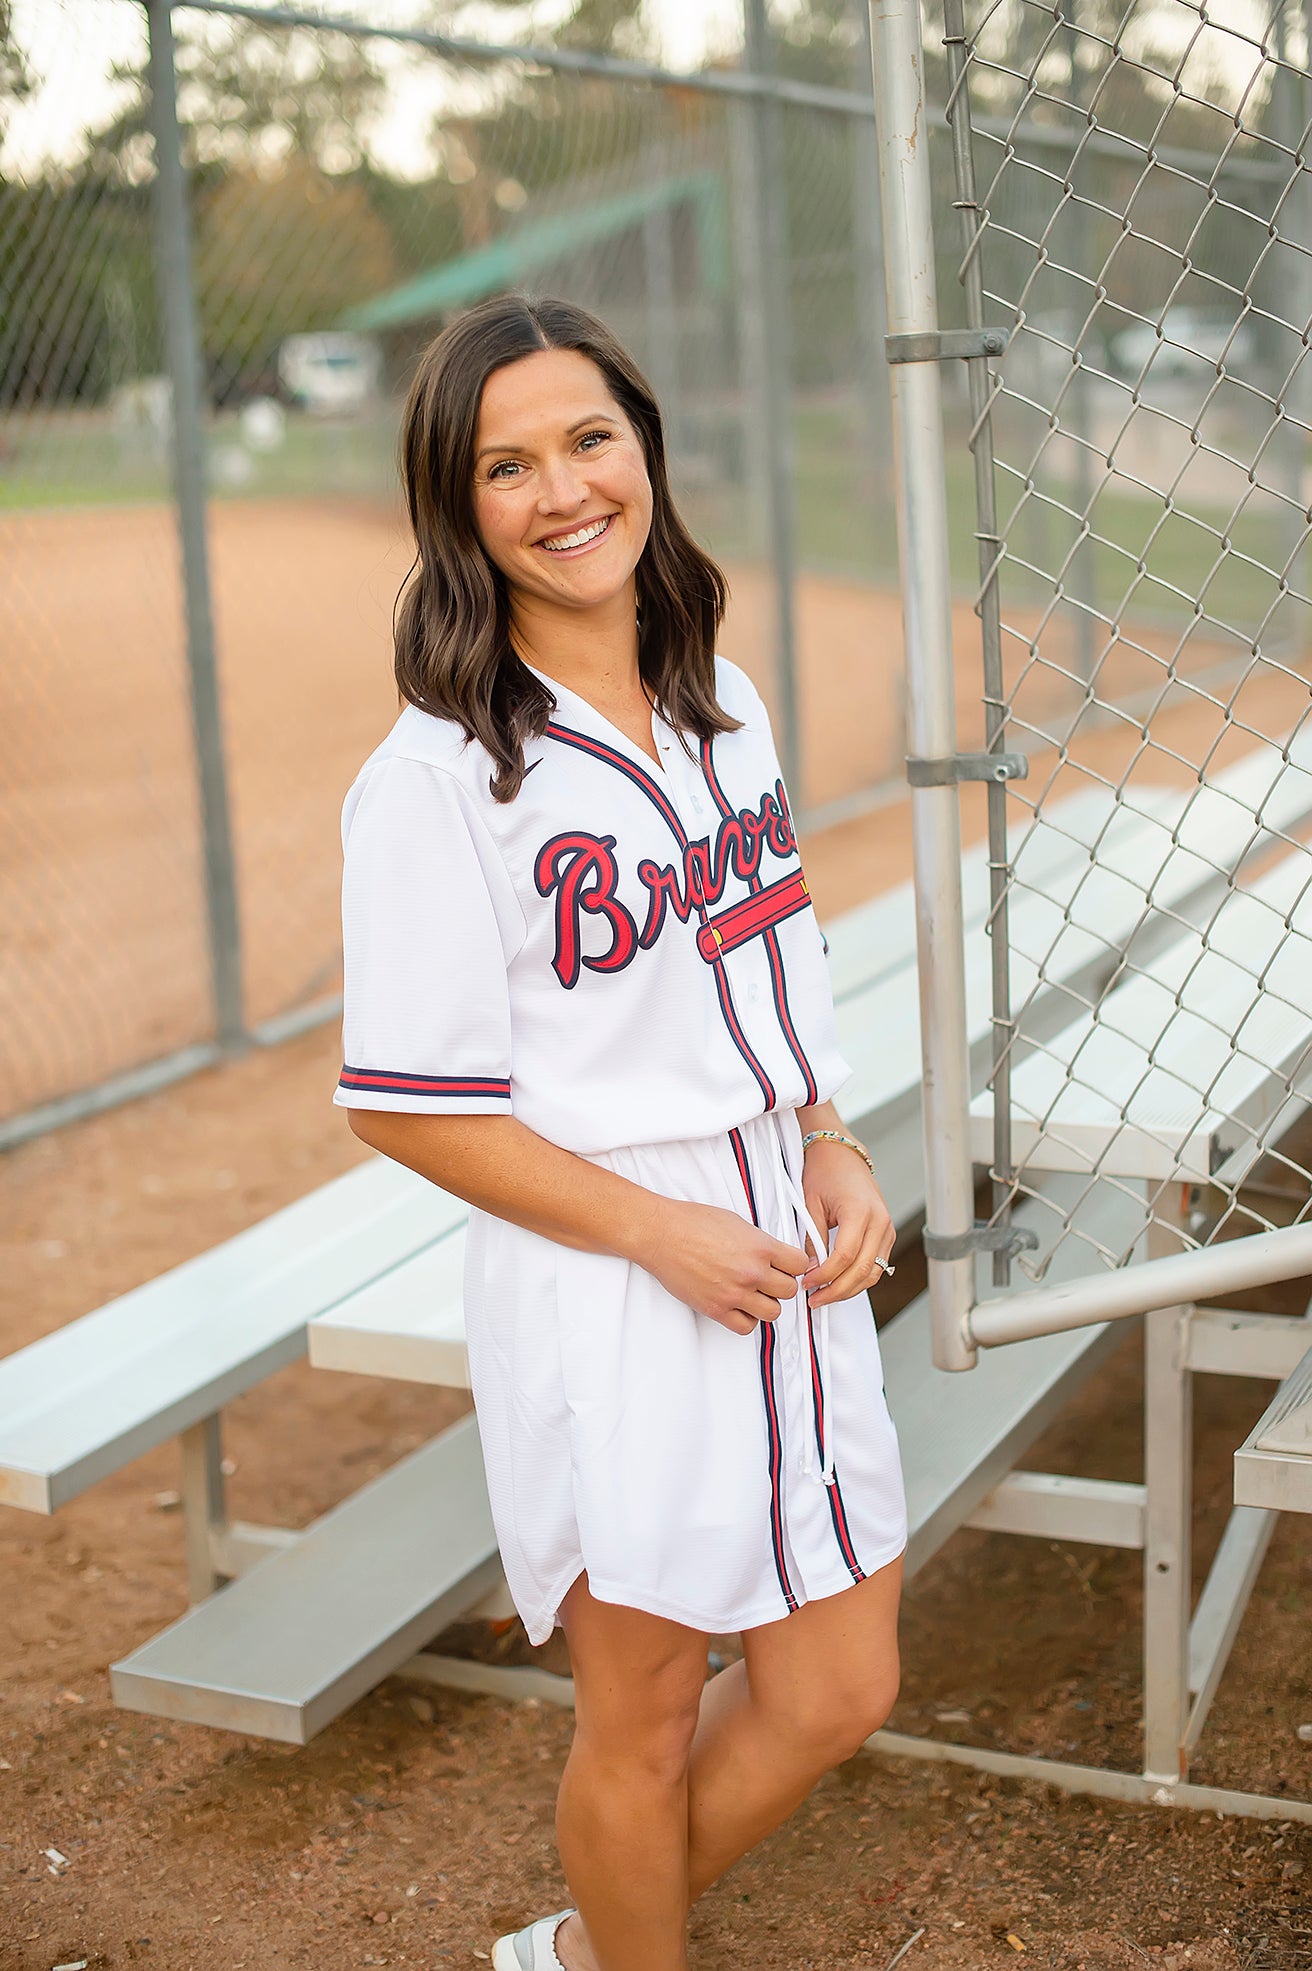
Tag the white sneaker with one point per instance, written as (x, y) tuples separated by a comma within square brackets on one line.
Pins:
[(532, 1949)]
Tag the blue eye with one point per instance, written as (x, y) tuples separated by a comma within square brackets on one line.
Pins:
[(599, 437), (502, 466)]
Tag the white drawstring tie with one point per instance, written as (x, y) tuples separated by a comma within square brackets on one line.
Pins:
[(824, 1470)]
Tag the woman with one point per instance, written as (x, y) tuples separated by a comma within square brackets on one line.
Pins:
[(586, 991)]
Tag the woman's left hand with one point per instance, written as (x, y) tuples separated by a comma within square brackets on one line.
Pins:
[(841, 1195)]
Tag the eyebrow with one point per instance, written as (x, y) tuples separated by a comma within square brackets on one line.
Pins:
[(593, 417)]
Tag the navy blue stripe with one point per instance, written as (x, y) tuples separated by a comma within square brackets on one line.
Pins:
[(712, 780), (399, 1082), (779, 988), (598, 750), (778, 984), (763, 1080), (745, 1172), (767, 1353), (770, 1394), (837, 1510)]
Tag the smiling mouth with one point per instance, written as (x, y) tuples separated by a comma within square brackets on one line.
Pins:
[(582, 536)]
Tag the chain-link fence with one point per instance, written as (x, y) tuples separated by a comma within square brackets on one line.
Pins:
[(1136, 212), (212, 292), (225, 233)]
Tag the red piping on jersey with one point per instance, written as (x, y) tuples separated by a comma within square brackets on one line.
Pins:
[(756, 913), (385, 1081), (837, 1510), (608, 755), (778, 984), (774, 1437)]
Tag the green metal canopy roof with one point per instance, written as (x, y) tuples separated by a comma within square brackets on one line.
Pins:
[(539, 243)]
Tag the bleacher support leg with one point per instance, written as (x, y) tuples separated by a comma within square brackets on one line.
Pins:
[(203, 1508), (1168, 1477)]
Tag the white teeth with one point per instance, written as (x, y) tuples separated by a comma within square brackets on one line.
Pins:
[(576, 540)]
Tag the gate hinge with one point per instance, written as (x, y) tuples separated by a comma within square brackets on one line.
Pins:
[(945, 345), (1010, 1239), (946, 772)]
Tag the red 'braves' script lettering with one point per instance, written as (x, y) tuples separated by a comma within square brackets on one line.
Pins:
[(584, 874), (738, 842)]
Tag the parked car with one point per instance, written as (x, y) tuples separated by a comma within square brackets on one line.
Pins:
[(330, 372)]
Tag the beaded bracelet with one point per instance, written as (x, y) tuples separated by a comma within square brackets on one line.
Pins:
[(837, 1136)]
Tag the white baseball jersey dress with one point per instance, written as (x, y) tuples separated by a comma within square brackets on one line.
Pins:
[(625, 957)]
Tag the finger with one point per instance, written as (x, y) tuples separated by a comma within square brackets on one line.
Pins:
[(780, 1286), (762, 1306), (737, 1322), (822, 1217), (864, 1272), (851, 1237), (788, 1259), (823, 1220)]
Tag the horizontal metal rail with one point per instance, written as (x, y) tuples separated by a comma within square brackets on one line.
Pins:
[(1230, 1267), (731, 82), (565, 61)]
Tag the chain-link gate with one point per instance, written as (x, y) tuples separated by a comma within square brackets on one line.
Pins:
[(215, 277), (1145, 595), (1123, 1038)]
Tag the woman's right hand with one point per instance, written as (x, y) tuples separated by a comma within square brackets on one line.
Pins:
[(719, 1264)]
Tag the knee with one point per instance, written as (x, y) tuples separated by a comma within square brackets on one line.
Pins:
[(650, 1736), (835, 1719)]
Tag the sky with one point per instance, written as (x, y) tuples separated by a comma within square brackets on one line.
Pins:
[(73, 46)]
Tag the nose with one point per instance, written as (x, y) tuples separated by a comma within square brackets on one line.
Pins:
[(563, 490)]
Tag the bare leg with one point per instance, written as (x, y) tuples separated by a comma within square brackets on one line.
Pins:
[(622, 1815), (809, 1692)]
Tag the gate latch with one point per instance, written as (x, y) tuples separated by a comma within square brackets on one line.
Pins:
[(946, 345), (946, 772), (1010, 1239)]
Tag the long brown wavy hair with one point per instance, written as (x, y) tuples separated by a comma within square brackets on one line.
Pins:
[(454, 656)]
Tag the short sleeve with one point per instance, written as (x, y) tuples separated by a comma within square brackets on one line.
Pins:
[(429, 925)]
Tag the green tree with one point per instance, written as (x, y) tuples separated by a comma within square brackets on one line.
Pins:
[(248, 95), (15, 75)]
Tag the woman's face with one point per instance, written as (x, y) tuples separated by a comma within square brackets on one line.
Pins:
[(562, 501)]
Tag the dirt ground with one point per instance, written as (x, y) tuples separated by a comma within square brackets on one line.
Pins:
[(419, 1825), (102, 925)]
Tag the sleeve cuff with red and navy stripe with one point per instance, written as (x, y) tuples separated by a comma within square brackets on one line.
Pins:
[(442, 1094)]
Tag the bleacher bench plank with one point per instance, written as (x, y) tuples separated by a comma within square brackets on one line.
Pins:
[(1167, 849), (1273, 1466), (961, 1434), (83, 1401), (1153, 1084), (287, 1647), (284, 1649)]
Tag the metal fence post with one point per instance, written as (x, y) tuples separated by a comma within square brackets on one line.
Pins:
[(776, 408), (868, 261), (922, 525), (186, 373), (988, 607)]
